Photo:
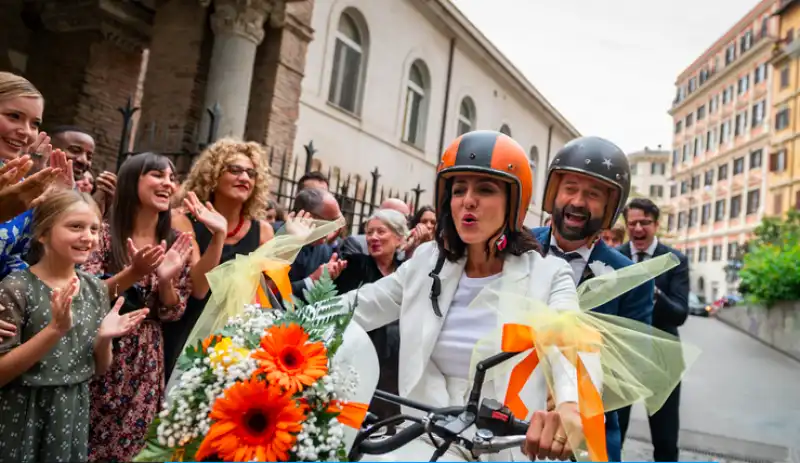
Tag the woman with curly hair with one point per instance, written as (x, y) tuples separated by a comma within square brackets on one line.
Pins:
[(225, 195)]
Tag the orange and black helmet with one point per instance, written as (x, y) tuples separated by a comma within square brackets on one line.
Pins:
[(495, 155)]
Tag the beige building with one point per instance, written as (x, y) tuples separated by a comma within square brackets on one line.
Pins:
[(721, 116), (650, 172), (650, 177), (389, 87)]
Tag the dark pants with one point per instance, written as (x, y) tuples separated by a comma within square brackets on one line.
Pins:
[(664, 427)]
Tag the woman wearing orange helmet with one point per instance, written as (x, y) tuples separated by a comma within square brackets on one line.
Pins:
[(483, 188)]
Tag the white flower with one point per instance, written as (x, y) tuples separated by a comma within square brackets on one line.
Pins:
[(599, 268)]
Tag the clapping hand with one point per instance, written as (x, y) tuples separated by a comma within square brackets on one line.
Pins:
[(13, 171), (144, 261), (300, 224), (61, 307), (420, 234), (334, 266), (206, 214), (18, 196), (41, 148), (115, 325), (58, 160), (106, 187), (175, 259)]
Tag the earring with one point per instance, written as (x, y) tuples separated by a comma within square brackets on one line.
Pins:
[(501, 242)]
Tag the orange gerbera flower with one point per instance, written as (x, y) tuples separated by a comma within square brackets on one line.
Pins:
[(289, 360), (253, 421)]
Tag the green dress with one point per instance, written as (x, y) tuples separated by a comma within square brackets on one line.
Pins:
[(44, 413)]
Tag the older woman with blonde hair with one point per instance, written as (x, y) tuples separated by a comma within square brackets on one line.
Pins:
[(225, 198)]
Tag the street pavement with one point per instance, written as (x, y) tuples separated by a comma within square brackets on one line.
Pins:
[(739, 402)]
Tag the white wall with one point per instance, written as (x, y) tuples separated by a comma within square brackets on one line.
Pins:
[(399, 33)]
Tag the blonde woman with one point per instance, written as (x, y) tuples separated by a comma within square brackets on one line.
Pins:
[(225, 195), (21, 142)]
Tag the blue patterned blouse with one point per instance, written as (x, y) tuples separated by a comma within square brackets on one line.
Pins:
[(15, 238)]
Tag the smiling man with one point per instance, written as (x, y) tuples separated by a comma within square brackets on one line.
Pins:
[(587, 186), (671, 310), (79, 145)]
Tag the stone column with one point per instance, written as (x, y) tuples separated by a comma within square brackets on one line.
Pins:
[(238, 27)]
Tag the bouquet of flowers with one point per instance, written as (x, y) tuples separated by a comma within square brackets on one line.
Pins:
[(264, 387)]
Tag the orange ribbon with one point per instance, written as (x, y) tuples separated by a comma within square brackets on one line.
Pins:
[(278, 273), (350, 414), (519, 338)]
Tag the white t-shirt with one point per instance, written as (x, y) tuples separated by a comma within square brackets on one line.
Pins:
[(463, 327)]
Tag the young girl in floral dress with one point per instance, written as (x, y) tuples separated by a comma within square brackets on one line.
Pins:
[(146, 262), (63, 336)]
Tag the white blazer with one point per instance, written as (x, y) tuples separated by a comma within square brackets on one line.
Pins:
[(405, 295)]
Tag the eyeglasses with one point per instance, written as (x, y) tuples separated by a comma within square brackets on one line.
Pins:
[(237, 170), (641, 223)]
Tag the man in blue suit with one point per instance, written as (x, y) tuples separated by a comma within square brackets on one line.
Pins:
[(587, 186)]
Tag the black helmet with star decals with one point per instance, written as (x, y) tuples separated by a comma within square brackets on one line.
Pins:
[(597, 158)]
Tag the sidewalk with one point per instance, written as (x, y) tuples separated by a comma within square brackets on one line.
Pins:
[(700, 446), (637, 450)]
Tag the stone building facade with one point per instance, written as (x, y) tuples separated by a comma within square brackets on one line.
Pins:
[(390, 83), (175, 58)]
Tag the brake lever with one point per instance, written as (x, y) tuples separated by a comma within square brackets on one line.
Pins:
[(485, 442)]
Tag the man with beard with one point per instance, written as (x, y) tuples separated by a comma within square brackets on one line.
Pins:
[(79, 145), (671, 310), (587, 186)]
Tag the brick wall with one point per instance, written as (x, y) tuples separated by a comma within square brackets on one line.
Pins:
[(277, 79), (85, 80), (111, 77), (15, 35), (175, 81)]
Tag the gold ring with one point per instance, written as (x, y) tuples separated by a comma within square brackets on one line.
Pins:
[(560, 439)]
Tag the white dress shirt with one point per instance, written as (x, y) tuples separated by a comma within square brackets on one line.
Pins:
[(579, 264), (649, 251)]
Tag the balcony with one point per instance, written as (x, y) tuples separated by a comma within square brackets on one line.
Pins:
[(760, 41), (783, 50)]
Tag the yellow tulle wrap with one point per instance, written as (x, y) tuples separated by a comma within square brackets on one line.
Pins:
[(614, 361), (239, 282)]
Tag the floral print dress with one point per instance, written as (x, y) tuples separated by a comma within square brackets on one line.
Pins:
[(44, 412), (126, 399)]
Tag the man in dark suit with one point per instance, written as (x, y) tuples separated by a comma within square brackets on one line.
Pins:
[(670, 312), (315, 257), (588, 183)]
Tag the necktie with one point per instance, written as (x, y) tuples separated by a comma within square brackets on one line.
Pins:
[(641, 256), (568, 256)]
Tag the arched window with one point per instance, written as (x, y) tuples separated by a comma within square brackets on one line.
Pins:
[(349, 62), (534, 164), (416, 108), (466, 116), (505, 129)]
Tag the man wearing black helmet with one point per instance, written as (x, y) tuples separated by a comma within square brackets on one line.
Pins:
[(587, 186)]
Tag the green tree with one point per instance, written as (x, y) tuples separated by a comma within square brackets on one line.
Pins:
[(769, 270)]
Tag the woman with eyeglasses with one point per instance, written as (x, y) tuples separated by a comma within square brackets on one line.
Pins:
[(225, 199)]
